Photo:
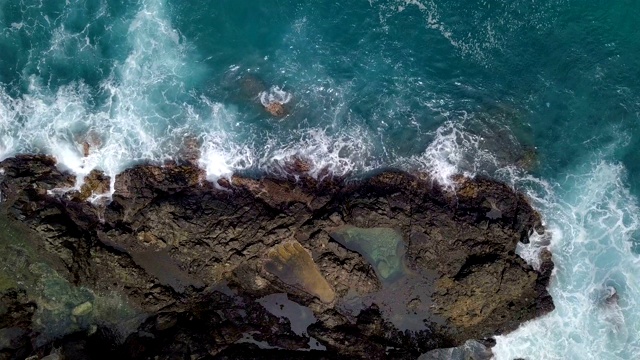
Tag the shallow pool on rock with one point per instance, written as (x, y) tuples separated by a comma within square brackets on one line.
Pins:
[(382, 247), (60, 307)]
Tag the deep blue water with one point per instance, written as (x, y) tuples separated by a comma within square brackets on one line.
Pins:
[(541, 94)]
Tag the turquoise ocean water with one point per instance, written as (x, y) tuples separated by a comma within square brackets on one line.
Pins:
[(544, 95)]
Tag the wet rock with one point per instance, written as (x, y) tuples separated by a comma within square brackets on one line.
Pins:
[(254, 352), (300, 317), (276, 109), (16, 308), (253, 88), (165, 322), (16, 314), (275, 101), (90, 141), (12, 338), (544, 303), (382, 247), (170, 241), (528, 160), (296, 166), (611, 299), (53, 356), (190, 150), (96, 183)]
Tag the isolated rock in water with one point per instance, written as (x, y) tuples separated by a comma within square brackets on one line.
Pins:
[(252, 88), (293, 265), (86, 147), (276, 109), (89, 141), (274, 101), (382, 247)]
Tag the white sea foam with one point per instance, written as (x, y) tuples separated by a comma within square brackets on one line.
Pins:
[(337, 154), (275, 95), (591, 217), (453, 151), (220, 158), (142, 118), (593, 220)]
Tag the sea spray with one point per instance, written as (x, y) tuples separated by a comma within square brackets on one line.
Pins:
[(592, 219)]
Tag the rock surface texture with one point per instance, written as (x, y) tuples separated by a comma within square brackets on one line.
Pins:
[(172, 267)]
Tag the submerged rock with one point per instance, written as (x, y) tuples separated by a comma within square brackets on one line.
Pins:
[(90, 141), (190, 150), (529, 159), (252, 88), (251, 85), (382, 247), (400, 266)]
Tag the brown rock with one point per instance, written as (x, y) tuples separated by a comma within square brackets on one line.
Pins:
[(298, 166), (276, 109), (89, 140), (170, 242), (96, 183)]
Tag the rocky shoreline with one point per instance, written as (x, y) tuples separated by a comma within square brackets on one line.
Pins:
[(173, 266)]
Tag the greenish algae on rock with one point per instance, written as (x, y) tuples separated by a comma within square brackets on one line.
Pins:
[(82, 309), (60, 307), (6, 282), (382, 247)]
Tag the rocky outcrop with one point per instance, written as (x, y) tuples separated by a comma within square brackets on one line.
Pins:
[(276, 109), (389, 266)]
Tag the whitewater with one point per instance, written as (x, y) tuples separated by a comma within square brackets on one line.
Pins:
[(541, 95)]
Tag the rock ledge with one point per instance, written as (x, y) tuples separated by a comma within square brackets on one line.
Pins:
[(391, 266)]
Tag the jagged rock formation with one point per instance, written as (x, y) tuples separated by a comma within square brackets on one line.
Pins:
[(173, 265)]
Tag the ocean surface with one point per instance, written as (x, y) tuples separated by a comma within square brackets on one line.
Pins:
[(542, 94)]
